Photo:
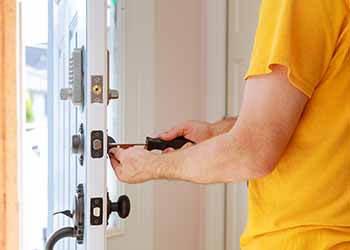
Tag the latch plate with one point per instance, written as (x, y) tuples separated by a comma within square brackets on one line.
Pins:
[(96, 211), (96, 144)]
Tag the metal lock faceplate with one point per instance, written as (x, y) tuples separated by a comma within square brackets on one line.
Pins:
[(96, 211), (96, 89)]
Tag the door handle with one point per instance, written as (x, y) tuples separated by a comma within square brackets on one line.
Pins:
[(65, 232), (67, 213)]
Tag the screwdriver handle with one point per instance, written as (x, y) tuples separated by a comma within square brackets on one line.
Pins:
[(159, 144)]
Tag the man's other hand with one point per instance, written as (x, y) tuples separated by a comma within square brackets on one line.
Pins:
[(193, 130)]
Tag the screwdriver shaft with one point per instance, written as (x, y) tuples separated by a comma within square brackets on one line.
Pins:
[(123, 146)]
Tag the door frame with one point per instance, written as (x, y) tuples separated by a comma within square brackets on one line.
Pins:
[(215, 80)]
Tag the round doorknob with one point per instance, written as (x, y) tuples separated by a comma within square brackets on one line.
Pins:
[(122, 206)]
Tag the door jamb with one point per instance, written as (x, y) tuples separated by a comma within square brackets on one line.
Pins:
[(215, 80)]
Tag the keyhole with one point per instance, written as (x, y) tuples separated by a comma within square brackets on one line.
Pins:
[(97, 89)]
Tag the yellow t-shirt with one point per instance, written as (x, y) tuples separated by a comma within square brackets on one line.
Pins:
[(304, 204)]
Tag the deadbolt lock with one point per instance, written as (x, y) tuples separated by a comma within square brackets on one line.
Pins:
[(113, 94)]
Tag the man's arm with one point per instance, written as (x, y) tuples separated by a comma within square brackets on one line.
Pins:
[(223, 126), (271, 111)]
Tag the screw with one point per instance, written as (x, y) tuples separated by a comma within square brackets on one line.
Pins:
[(81, 128)]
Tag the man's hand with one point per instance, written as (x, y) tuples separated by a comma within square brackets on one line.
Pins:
[(192, 130), (133, 165)]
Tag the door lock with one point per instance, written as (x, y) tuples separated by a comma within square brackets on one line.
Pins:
[(113, 94), (122, 207), (75, 93)]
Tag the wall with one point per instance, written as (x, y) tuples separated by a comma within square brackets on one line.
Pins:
[(179, 88)]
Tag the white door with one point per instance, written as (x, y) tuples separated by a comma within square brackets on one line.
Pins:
[(78, 131), (85, 30), (242, 22)]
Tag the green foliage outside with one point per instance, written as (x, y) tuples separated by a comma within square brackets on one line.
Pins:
[(29, 110)]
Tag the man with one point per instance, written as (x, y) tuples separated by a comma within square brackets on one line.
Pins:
[(291, 140)]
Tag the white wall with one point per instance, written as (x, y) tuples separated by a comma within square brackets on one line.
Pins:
[(179, 88)]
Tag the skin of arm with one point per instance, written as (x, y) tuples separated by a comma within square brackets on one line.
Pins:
[(271, 110), (223, 126)]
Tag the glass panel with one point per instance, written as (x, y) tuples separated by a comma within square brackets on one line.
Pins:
[(34, 191)]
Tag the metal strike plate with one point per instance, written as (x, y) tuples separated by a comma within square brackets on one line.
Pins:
[(76, 92), (96, 89)]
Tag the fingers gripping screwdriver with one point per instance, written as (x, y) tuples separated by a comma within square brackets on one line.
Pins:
[(152, 143)]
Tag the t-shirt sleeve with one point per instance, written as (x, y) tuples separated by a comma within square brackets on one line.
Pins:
[(301, 35)]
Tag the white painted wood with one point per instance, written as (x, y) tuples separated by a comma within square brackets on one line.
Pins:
[(134, 65), (96, 119), (215, 37), (242, 21)]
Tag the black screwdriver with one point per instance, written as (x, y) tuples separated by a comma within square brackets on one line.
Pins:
[(152, 143)]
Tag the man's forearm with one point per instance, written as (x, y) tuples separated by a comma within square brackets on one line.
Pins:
[(223, 126), (223, 159)]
